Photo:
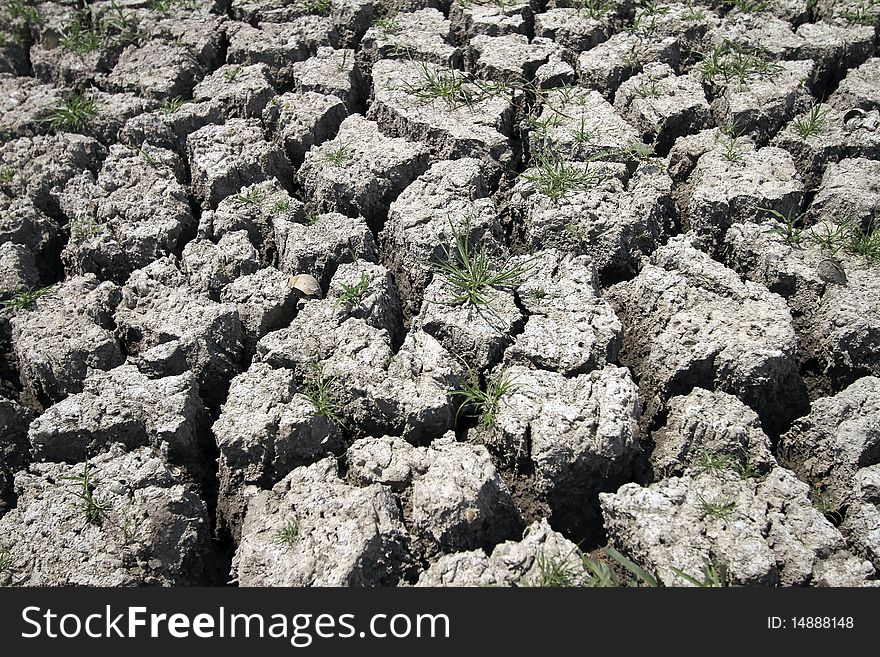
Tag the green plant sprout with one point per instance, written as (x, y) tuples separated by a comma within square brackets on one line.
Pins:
[(171, 105), (231, 73), (5, 560), (25, 300), (648, 90), (338, 156), (354, 294), (750, 6), (318, 390), (713, 575), (731, 63), (74, 113), (472, 273), (595, 9), (812, 124), (288, 533), (720, 510), (317, 7), (482, 404), (281, 206), (790, 230), (554, 178), (867, 12), (253, 198), (94, 511), (444, 84)]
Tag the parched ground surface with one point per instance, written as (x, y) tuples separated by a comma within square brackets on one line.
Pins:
[(490, 292)]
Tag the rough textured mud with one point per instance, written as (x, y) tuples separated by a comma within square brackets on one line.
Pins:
[(439, 293)]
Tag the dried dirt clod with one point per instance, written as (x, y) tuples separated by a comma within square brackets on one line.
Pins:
[(168, 329), (578, 435), (759, 532), (837, 322), (691, 322), (460, 502), (243, 91), (225, 158), (68, 331), (318, 247), (526, 562), (139, 525), (124, 407), (279, 46), (710, 430), (840, 435), (570, 328), (360, 171), (313, 529)]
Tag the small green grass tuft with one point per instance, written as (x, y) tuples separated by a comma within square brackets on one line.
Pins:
[(21, 10), (749, 6), (713, 575), (281, 206), (317, 7), (640, 152), (829, 236), (95, 512), (694, 14), (600, 574), (479, 403), (288, 534), (583, 135), (74, 113), (864, 243), (812, 124), (554, 177), (149, 159), (575, 233), (823, 504), (867, 12), (728, 137), (595, 9), (731, 63), (354, 294), (171, 105), (25, 300), (472, 273), (7, 175), (444, 84), (253, 198), (791, 230), (318, 389), (715, 509), (645, 21), (84, 227), (848, 236), (5, 560), (388, 25), (231, 73), (164, 6), (648, 90), (555, 573), (713, 462), (338, 156), (79, 37)]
